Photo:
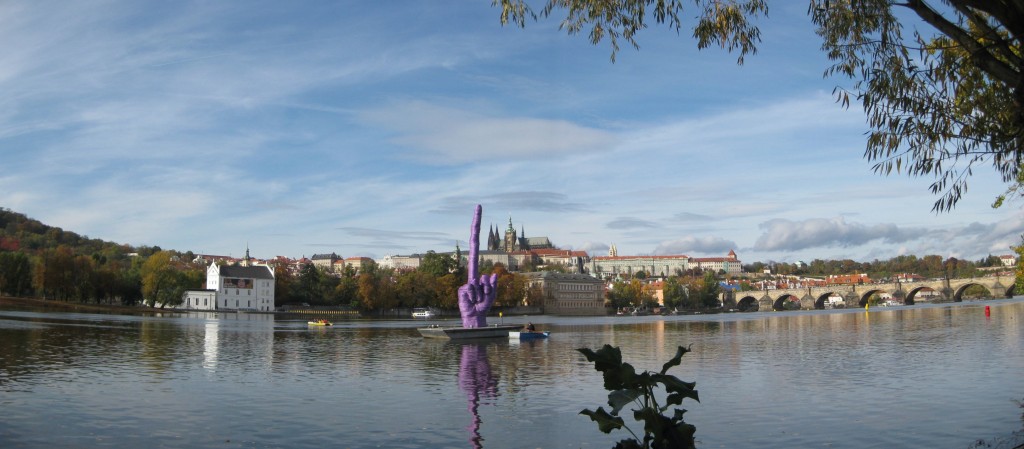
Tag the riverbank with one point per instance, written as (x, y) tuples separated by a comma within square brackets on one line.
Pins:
[(46, 304)]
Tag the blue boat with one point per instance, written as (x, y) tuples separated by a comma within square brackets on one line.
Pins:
[(528, 335)]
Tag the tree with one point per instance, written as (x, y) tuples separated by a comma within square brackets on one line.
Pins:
[(161, 282), (310, 285), (52, 274), (676, 294), (15, 274), (707, 293), (938, 102), (1018, 286), (627, 294), (437, 265)]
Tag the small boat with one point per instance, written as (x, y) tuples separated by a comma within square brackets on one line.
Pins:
[(320, 323), (421, 312), (528, 335)]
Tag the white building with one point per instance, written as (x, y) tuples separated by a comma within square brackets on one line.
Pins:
[(729, 264), (200, 300), (401, 263), (234, 287), (625, 266)]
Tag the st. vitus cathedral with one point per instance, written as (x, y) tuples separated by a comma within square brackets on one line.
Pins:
[(514, 241)]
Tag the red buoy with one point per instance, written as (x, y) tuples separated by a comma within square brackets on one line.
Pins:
[(988, 312)]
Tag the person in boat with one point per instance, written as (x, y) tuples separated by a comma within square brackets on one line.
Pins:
[(530, 327)]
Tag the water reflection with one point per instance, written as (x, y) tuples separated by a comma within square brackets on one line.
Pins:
[(773, 380), (478, 382)]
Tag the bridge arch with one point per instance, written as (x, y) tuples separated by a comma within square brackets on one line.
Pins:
[(819, 302), (958, 294), (864, 297), (780, 303), (747, 304)]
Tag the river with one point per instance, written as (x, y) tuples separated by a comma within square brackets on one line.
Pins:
[(922, 376)]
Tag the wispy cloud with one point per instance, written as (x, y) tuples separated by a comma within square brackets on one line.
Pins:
[(691, 245), (630, 223), (443, 135), (785, 235)]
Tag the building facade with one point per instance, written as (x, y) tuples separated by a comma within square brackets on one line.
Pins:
[(625, 266), (200, 300), (729, 264), (401, 263), (325, 262), (239, 287), (568, 294)]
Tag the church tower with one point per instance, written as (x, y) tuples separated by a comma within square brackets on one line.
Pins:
[(613, 251), (492, 238), (511, 240)]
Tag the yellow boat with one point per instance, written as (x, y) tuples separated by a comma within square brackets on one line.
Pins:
[(320, 323)]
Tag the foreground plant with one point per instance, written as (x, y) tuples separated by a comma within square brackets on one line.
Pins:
[(626, 387)]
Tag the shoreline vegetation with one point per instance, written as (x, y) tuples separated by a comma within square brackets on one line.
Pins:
[(9, 301)]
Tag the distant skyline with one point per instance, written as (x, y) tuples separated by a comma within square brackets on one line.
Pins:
[(368, 129)]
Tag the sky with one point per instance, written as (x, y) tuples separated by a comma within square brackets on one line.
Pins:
[(374, 128)]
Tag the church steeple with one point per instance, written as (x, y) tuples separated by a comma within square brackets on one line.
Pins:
[(511, 239), (492, 238)]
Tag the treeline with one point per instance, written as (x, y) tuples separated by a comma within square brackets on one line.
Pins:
[(694, 290), (37, 260), (374, 289), (932, 266)]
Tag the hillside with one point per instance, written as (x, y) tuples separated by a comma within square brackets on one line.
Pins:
[(21, 233)]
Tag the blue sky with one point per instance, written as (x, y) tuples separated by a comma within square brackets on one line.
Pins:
[(373, 128)]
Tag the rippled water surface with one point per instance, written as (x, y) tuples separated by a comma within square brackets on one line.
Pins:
[(919, 376)]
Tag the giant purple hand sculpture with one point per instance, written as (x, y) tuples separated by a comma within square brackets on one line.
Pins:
[(476, 297)]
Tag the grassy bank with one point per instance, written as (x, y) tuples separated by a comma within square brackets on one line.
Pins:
[(35, 303)]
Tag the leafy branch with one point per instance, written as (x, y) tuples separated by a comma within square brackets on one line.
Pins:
[(626, 387)]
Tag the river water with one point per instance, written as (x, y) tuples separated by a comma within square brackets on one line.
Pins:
[(923, 376)]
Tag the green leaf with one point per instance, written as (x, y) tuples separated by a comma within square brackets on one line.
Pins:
[(675, 361), (678, 389), (620, 398), (605, 422), (608, 357)]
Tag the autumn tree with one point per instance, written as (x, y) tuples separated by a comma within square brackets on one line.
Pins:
[(1018, 286), (15, 274), (941, 82), (627, 294), (416, 289), (52, 274), (437, 265), (707, 291), (162, 282), (310, 285), (676, 294)]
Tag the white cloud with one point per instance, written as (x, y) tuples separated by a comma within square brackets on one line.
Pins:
[(692, 245), (785, 235), (444, 135)]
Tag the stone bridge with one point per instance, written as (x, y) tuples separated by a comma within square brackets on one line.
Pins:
[(943, 290)]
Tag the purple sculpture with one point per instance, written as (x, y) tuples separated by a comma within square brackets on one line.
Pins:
[(476, 297)]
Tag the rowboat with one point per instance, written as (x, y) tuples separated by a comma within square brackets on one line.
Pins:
[(528, 335), (320, 323)]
